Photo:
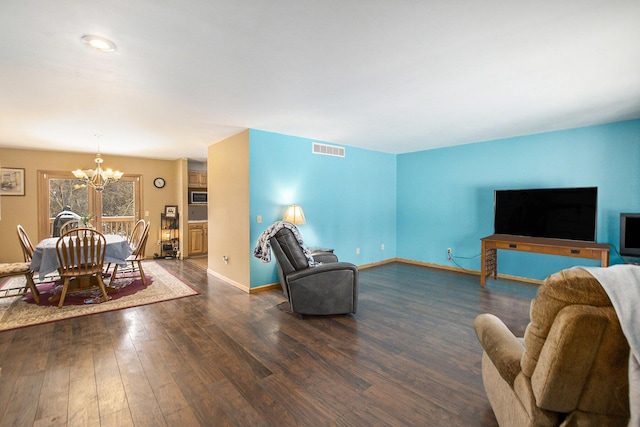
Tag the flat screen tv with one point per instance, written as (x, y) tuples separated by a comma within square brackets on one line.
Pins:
[(630, 234), (557, 213)]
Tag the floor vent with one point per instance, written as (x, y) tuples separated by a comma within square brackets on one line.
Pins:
[(327, 150)]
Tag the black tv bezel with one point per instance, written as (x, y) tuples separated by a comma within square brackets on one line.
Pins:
[(544, 189), (624, 250)]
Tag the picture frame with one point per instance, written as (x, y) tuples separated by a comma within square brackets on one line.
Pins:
[(11, 181), (171, 211)]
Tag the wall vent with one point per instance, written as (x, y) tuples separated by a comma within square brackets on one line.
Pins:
[(327, 150)]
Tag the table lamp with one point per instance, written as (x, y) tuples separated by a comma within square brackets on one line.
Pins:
[(294, 215)]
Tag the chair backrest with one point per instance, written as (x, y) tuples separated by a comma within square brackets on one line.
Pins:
[(289, 255), (81, 252), (576, 354), (138, 246), (288, 252), (69, 225), (136, 233), (25, 243)]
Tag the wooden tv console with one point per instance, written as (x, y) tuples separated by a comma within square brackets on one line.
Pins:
[(491, 244)]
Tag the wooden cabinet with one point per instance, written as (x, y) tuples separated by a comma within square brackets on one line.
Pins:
[(198, 236), (197, 179)]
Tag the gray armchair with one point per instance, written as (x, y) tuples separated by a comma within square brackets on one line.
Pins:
[(329, 288)]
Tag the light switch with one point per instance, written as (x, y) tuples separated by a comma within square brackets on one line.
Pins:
[(259, 219)]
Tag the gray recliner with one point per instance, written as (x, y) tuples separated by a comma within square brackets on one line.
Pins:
[(329, 288)]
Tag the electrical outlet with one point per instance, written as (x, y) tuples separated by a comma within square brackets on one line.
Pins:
[(448, 251), (357, 251), (382, 246)]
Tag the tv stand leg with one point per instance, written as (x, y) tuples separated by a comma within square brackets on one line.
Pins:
[(488, 264)]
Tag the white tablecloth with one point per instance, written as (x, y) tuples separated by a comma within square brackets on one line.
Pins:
[(45, 258)]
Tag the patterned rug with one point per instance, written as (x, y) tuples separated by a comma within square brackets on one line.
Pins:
[(21, 311)]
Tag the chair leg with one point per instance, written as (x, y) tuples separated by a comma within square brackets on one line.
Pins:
[(102, 288), (33, 288), (113, 275), (63, 294), (144, 282)]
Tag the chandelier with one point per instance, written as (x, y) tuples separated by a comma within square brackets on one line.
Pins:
[(98, 177)]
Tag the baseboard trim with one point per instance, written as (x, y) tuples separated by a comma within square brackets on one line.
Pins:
[(520, 279), (229, 281), (454, 269), (270, 286), (377, 263), (438, 266), (267, 287)]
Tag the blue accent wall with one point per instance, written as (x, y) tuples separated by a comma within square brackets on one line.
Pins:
[(348, 202), (445, 196)]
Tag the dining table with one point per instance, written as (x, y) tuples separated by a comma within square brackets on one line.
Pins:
[(45, 256)]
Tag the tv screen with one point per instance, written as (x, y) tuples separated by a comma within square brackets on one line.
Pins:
[(557, 213), (630, 234)]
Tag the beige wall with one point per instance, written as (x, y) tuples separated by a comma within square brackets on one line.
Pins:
[(182, 176), (228, 209), (22, 209)]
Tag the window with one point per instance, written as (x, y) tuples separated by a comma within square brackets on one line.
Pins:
[(115, 210)]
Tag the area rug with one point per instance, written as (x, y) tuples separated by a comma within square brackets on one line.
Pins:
[(22, 311)]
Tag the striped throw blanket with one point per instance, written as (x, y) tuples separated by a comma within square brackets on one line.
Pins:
[(263, 247)]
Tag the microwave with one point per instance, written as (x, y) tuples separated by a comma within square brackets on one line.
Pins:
[(198, 197)]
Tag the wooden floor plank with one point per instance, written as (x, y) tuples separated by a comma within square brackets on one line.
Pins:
[(121, 418), (228, 358), (204, 405), (163, 386), (21, 397), (54, 398), (83, 393), (112, 398)]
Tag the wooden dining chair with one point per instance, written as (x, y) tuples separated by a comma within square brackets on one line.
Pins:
[(132, 238), (27, 253), (27, 248), (25, 243), (69, 225), (16, 269), (138, 246), (81, 256)]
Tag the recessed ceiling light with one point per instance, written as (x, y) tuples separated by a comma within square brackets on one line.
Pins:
[(99, 43)]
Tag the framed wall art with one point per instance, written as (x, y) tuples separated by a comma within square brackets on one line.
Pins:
[(11, 182), (170, 211)]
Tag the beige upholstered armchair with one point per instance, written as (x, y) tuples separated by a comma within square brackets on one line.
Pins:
[(571, 367)]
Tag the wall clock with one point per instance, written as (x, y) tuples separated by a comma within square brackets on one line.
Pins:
[(159, 182)]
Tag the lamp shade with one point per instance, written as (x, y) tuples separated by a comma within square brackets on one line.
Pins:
[(294, 215)]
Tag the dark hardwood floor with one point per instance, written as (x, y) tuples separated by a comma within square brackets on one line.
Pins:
[(227, 358)]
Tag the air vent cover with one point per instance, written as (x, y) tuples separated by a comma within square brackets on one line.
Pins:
[(327, 150)]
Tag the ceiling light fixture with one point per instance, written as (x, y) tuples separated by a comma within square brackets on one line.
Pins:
[(99, 43), (97, 178)]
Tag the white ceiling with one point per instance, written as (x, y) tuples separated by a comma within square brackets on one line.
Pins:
[(394, 76)]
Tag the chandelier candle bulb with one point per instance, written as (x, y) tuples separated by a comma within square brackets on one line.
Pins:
[(97, 178)]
